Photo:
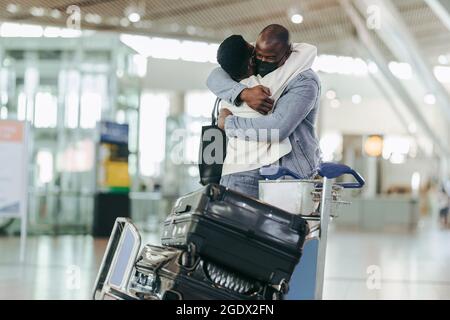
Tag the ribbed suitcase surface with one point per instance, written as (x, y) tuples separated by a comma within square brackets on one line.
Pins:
[(163, 273), (239, 232)]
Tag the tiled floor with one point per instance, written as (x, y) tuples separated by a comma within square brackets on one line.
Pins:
[(410, 266)]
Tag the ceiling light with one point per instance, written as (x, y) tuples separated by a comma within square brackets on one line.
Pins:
[(12, 8), (144, 24), (113, 21), (191, 30), (331, 94), (93, 18), (397, 158), (401, 70), (134, 17), (356, 99), (297, 18), (174, 27), (37, 12), (443, 59), (372, 67), (55, 13), (124, 22), (442, 73), (9, 29), (335, 103), (429, 99), (201, 32)]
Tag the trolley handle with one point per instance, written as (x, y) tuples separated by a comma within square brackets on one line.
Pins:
[(332, 170), (329, 170), (273, 172)]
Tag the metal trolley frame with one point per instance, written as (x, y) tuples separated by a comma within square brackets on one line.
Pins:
[(308, 278)]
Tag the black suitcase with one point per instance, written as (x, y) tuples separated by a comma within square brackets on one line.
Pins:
[(244, 234), (163, 273)]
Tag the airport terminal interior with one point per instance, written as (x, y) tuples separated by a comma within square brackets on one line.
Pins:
[(110, 98)]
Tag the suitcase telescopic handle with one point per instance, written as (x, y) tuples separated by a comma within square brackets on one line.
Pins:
[(182, 208), (327, 169)]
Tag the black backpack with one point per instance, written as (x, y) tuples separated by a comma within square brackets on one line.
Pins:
[(212, 151)]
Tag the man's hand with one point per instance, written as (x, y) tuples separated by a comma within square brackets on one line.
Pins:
[(257, 98), (223, 114)]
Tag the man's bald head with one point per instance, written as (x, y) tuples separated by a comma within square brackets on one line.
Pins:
[(273, 35), (272, 48)]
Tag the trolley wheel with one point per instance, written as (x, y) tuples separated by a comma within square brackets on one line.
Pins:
[(284, 286), (277, 295)]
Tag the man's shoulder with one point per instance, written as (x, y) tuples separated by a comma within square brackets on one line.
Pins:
[(306, 76)]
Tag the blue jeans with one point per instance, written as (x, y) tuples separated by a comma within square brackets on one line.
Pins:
[(244, 182)]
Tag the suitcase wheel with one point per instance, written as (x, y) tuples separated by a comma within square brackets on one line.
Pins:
[(214, 192), (172, 295), (188, 257)]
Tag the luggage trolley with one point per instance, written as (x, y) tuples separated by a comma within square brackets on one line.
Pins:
[(317, 201)]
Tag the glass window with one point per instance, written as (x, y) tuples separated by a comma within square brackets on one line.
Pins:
[(131, 117), (70, 85), (44, 160), (72, 100), (21, 106), (31, 82), (91, 109), (94, 98), (77, 157), (137, 65), (45, 110), (154, 109)]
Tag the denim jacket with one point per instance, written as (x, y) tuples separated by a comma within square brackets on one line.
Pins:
[(294, 116)]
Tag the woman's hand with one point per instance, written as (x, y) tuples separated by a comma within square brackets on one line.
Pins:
[(223, 114)]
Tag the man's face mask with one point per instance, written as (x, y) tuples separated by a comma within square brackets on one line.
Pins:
[(263, 68)]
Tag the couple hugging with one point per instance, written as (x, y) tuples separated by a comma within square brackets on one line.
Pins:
[(270, 98)]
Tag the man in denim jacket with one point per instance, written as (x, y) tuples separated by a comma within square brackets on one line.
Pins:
[(294, 114)]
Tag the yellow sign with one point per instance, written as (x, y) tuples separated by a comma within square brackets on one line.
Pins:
[(116, 174)]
